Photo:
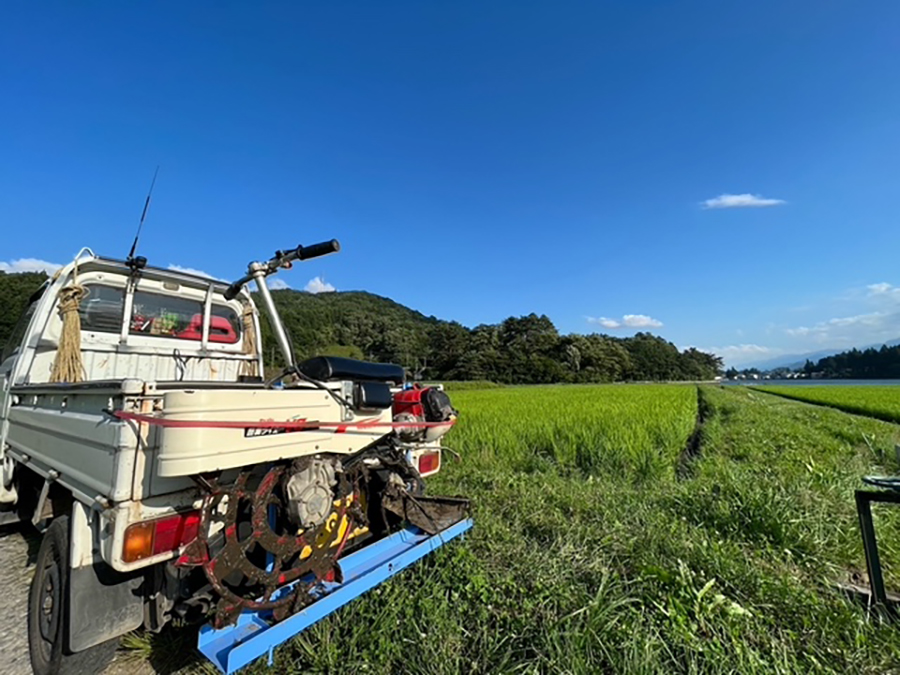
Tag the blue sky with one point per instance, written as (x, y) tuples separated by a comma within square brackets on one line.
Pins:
[(479, 160)]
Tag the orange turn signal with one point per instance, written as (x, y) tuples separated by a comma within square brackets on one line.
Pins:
[(138, 542), (153, 537)]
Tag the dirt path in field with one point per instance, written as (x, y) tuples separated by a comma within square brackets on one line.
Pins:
[(17, 554), (692, 449)]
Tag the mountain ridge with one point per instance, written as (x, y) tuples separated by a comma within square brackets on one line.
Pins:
[(796, 361), (518, 350)]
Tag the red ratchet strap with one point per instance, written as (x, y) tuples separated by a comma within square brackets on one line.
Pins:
[(272, 424)]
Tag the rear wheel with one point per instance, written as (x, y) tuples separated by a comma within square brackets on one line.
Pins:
[(48, 613)]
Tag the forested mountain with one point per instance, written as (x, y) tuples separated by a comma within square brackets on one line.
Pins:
[(519, 350)]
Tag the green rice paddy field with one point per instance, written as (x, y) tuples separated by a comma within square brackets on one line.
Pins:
[(881, 402), (606, 542)]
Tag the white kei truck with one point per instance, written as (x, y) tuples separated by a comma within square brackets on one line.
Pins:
[(175, 482)]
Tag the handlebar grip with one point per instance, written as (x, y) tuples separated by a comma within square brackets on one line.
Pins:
[(316, 250), (232, 291)]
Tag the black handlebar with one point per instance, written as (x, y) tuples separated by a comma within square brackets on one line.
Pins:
[(316, 250), (284, 259)]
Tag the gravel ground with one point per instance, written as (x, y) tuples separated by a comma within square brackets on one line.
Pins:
[(17, 554), (16, 568)]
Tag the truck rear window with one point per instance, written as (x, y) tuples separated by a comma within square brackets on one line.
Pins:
[(156, 314), (101, 311)]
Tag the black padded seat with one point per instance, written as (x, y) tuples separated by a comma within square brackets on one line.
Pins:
[(328, 368)]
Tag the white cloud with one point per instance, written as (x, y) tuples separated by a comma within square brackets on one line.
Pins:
[(738, 354), (857, 330), (742, 201), (858, 320), (878, 289), (603, 321), (28, 265), (191, 270), (867, 314), (277, 284), (883, 291), (627, 321), (640, 321), (871, 320), (318, 285)]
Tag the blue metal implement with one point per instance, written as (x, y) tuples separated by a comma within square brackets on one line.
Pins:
[(253, 636)]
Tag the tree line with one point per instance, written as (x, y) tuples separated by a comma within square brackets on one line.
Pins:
[(519, 350), (858, 364)]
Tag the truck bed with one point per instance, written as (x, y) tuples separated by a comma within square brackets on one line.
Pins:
[(69, 429)]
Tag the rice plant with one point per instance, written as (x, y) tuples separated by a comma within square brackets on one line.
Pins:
[(881, 402)]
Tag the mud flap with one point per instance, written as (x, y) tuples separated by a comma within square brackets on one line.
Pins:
[(103, 604), (430, 514)]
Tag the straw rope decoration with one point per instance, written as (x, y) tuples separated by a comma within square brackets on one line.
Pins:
[(67, 364), (249, 367)]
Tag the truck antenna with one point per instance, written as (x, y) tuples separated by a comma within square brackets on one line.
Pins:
[(140, 262)]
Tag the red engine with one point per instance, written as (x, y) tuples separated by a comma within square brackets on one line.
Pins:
[(423, 404)]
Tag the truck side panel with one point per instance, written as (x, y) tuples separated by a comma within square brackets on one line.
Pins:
[(93, 452)]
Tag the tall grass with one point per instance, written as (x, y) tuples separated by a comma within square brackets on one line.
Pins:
[(624, 430)]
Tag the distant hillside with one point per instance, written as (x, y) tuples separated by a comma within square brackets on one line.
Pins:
[(369, 325), (15, 289), (796, 361), (792, 361), (520, 350)]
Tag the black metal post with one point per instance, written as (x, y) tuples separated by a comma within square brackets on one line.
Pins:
[(864, 500)]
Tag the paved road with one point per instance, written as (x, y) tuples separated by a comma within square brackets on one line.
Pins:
[(17, 555)]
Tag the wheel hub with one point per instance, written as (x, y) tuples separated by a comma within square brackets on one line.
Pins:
[(49, 616)]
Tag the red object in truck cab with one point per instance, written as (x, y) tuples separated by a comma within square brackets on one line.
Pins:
[(410, 401), (220, 330)]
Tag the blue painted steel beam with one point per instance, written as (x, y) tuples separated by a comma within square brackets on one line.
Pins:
[(233, 647)]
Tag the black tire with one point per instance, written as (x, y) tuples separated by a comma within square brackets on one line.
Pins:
[(48, 612)]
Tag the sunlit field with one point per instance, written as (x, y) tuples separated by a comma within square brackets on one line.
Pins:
[(881, 402), (602, 545)]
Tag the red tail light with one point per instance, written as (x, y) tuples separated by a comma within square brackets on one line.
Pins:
[(175, 531), (429, 462), (150, 538)]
